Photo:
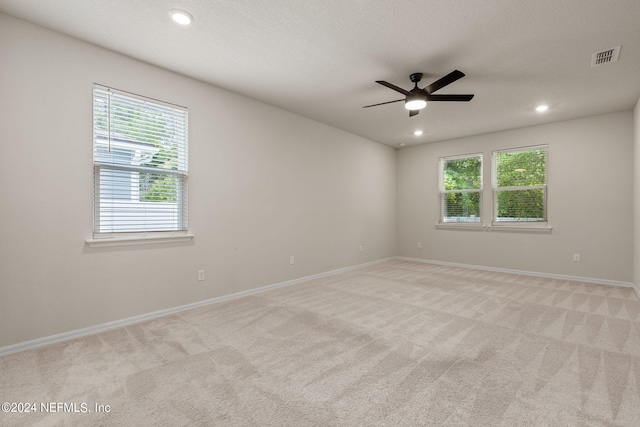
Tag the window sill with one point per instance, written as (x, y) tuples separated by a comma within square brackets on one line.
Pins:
[(138, 240), (460, 226), (500, 228), (521, 228)]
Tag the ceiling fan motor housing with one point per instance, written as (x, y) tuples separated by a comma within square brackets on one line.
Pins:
[(416, 77)]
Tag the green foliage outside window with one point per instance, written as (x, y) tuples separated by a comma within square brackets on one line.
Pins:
[(462, 174), (521, 185), (462, 205)]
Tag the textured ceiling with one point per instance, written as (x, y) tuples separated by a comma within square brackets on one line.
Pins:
[(320, 59)]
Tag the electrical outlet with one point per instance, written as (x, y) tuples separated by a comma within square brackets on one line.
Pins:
[(576, 257), (200, 275), (360, 248), (419, 245), (291, 260)]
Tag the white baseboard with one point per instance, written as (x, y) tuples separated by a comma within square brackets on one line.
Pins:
[(78, 333), (528, 273)]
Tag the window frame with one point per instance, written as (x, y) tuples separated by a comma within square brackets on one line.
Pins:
[(519, 224), (442, 192), (179, 214)]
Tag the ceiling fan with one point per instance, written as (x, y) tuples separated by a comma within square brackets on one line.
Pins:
[(416, 98)]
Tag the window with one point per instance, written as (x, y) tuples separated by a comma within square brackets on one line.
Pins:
[(461, 189), (520, 185), (139, 164)]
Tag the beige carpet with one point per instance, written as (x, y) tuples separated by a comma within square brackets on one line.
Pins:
[(393, 344)]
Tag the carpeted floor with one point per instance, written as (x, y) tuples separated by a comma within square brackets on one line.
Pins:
[(393, 344)]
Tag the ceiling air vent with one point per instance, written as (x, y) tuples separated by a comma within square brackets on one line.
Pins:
[(605, 56)]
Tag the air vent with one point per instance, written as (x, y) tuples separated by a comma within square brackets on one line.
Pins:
[(605, 56)]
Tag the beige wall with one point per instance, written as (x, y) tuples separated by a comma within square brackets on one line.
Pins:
[(589, 201), (636, 196), (264, 184)]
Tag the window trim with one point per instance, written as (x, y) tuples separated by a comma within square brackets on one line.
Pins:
[(139, 240), (532, 226), (140, 236), (441, 224)]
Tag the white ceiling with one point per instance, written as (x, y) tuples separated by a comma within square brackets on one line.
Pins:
[(320, 59)]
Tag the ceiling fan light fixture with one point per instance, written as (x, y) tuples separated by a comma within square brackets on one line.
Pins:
[(181, 17), (415, 104)]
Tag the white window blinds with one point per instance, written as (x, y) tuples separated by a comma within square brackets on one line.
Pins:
[(520, 185), (461, 189), (139, 163)]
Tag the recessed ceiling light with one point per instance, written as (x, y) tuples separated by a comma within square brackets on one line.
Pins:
[(418, 133), (542, 108), (181, 17), (402, 144)]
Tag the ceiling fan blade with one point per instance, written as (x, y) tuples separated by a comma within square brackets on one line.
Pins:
[(461, 98), (392, 86), (413, 113), (446, 80), (382, 103)]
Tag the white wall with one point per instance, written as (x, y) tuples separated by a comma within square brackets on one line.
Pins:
[(589, 201), (264, 184)]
